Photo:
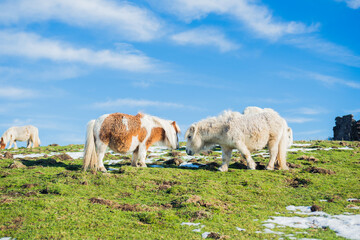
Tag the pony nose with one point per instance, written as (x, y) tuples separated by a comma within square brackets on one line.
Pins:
[(189, 152)]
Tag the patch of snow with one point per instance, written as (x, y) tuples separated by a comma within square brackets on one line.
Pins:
[(205, 234), (76, 155), (190, 224), (301, 144), (352, 199), (33, 155), (199, 229), (112, 169), (269, 225), (322, 200), (111, 162), (347, 226), (189, 165), (240, 229)]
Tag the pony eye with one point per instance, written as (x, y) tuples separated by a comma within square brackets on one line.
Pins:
[(189, 137)]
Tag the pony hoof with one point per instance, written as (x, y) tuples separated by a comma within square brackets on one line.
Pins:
[(252, 167), (222, 169), (142, 165), (103, 170), (269, 168), (284, 168)]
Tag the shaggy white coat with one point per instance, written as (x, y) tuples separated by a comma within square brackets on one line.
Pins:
[(27, 133), (95, 149), (253, 110), (247, 133)]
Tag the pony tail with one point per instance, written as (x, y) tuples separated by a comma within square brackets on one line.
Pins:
[(282, 151), (90, 157), (37, 139)]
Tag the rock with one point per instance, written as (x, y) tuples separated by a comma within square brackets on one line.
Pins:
[(346, 128), (16, 164), (8, 155), (315, 208)]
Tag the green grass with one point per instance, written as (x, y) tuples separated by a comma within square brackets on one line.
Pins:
[(51, 198)]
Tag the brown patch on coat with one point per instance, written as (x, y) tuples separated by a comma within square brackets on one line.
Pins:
[(119, 135), (157, 134), (175, 126), (2, 144)]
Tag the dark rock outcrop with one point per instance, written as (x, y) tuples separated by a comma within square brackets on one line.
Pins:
[(347, 128)]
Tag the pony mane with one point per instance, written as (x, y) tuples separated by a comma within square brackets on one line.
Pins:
[(168, 128)]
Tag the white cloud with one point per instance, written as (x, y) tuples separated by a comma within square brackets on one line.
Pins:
[(14, 93), (309, 111), (22, 44), (331, 51), (298, 119), (354, 4), (255, 16), (205, 37), (330, 80), (327, 80), (121, 18), (127, 102)]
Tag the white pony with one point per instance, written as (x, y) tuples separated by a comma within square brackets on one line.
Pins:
[(249, 132), (125, 133), (27, 133), (252, 110)]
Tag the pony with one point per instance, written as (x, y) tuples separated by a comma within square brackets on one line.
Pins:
[(27, 133), (245, 132), (252, 110), (125, 133)]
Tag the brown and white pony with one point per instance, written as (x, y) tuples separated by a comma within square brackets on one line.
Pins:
[(125, 133), (27, 133)]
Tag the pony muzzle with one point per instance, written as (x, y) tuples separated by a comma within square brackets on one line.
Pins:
[(189, 152)]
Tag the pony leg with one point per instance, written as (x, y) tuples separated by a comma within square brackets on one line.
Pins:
[(28, 143), (10, 143), (135, 157), (100, 151), (281, 157), (15, 146), (247, 155), (226, 157), (142, 156), (273, 150)]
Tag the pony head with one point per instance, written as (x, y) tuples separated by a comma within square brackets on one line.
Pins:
[(194, 142), (2, 144), (172, 130)]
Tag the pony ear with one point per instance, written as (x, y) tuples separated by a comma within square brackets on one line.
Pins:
[(176, 127), (192, 128)]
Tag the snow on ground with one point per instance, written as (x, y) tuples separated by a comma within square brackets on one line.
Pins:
[(74, 155), (347, 226)]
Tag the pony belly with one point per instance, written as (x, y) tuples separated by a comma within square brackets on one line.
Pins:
[(121, 146)]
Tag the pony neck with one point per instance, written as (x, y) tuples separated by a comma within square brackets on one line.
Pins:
[(211, 131)]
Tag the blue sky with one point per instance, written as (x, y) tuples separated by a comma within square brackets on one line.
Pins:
[(65, 62)]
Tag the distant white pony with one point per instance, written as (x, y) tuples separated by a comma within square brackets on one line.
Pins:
[(252, 110), (27, 133), (125, 133), (248, 132)]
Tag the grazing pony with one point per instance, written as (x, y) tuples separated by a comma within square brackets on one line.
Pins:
[(125, 133), (249, 132), (27, 133), (252, 110)]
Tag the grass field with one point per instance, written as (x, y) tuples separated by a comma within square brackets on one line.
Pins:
[(47, 196)]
